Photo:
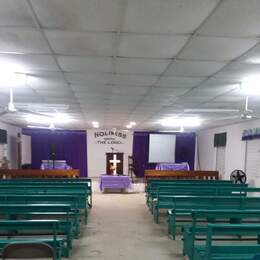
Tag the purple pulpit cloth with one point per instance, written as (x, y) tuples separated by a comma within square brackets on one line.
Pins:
[(114, 182), (172, 167)]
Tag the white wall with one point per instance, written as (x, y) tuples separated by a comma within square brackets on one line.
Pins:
[(99, 146), (11, 150), (235, 148)]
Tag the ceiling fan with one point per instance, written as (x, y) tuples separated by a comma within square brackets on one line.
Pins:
[(12, 109), (245, 113)]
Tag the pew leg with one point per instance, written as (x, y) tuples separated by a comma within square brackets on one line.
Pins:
[(86, 216), (172, 227), (90, 201), (156, 214)]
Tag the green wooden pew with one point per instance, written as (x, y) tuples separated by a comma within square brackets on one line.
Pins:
[(184, 205), (223, 250), (41, 211), (198, 227), (48, 188), (76, 201), (166, 201), (165, 193), (14, 231), (155, 183), (151, 182), (205, 202), (58, 181), (153, 190)]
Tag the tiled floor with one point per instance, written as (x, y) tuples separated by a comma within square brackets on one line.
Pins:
[(120, 227)]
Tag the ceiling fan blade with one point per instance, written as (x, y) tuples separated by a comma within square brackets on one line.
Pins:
[(33, 113), (210, 110)]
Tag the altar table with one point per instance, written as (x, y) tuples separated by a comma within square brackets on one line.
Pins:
[(172, 166), (114, 182)]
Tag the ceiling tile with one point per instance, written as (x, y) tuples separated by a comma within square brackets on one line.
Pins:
[(253, 56), (237, 18), (135, 80), (48, 81), (167, 81), (129, 90), (216, 48), (211, 91), (230, 98), (171, 91), (239, 71), (194, 68), (85, 64), (82, 44), (79, 15), (150, 46), (175, 16), (89, 89), (15, 13), (89, 79), (140, 66), (22, 41)]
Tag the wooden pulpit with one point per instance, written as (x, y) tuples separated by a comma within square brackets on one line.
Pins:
[(115, 163)]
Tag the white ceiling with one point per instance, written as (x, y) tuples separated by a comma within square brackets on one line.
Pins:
[(116, 61)]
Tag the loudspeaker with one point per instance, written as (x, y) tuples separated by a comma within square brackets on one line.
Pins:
[(52, 152)]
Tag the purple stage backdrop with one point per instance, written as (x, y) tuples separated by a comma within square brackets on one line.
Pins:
[(184, 150), (69, 145)]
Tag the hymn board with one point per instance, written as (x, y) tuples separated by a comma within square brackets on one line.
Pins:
[(115, 162)]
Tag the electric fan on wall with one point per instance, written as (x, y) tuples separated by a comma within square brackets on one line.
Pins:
[(238, 177)]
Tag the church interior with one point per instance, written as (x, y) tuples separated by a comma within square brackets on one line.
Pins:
[(130, 129)]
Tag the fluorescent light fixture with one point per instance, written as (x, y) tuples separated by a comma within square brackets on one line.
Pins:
[(129, 126), (37, 127), (180, 122), (57, 118), (251, 85), (132, 123)]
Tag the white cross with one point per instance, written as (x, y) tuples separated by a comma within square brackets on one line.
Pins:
[(115, 162)]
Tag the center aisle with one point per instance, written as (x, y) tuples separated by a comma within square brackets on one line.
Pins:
[(120, 227)]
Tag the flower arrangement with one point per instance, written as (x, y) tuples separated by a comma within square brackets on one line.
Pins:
[(112, 168), (4, 163)]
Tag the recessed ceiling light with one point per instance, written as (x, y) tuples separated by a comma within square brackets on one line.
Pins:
[(95, 124), (129, 126), (132, 123), (180, 122)]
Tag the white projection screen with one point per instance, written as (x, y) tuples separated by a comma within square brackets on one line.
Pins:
[(161, 148)]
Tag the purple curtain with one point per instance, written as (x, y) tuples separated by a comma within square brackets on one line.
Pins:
[(69, 145), (184, 150)]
